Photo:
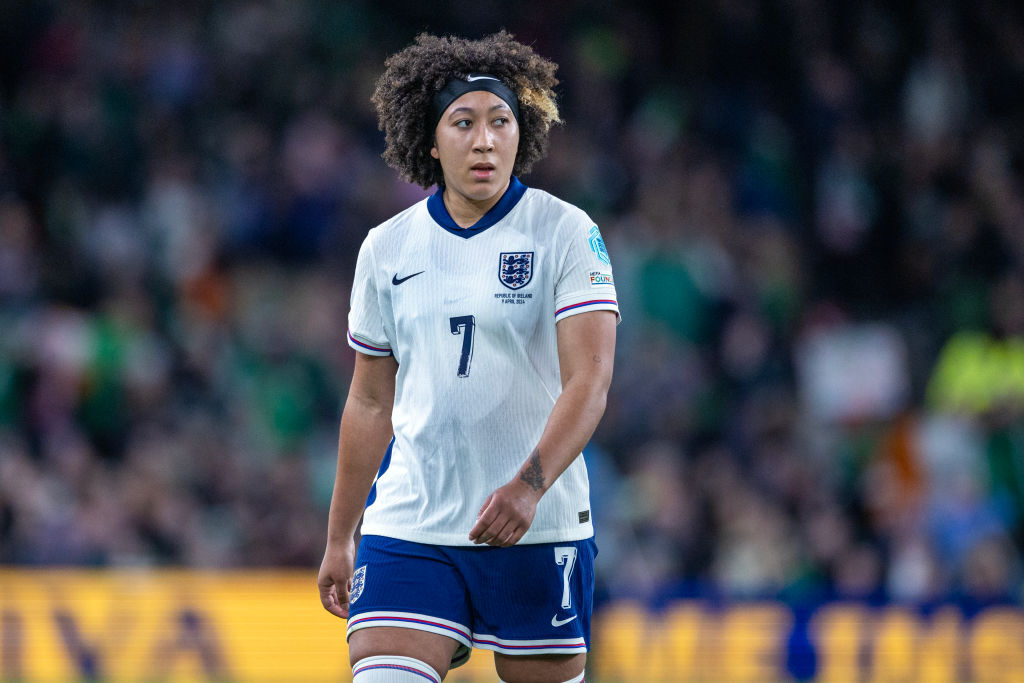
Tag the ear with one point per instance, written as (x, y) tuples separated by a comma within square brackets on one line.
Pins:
[(434, 153)]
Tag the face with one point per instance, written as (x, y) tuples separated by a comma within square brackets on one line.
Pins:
[(476, 142)]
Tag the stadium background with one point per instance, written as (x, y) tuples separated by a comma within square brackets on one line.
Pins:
[(811, 463)]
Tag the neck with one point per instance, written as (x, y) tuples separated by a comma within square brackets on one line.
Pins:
[(466, 211)]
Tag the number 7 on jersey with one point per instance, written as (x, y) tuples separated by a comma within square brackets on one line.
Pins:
[(464, 325)]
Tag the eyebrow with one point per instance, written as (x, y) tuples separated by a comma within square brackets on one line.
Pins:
[(457, 110)]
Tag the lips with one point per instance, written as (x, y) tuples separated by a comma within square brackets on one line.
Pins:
[(482, 170)]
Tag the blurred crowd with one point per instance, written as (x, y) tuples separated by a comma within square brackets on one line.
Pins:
[(815, 211)]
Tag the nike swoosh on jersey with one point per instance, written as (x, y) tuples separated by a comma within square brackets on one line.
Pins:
[(395, 280), (555, 621)]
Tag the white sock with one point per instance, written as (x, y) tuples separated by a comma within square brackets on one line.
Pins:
[(393, 669)]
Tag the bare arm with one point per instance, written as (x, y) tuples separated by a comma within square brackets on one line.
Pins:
[(362, 441), (586, 346)]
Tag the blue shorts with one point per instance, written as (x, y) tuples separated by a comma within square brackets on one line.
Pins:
[(524, 600)]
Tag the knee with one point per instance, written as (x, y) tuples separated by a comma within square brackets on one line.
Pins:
[(540, 668)]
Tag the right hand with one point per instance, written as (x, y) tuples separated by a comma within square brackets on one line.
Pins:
[(506, 515), (335, 578)]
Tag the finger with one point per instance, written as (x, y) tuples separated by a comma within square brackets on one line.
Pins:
[(498, 538), (326, 598), (487, 517), (329, 599), (493, 529), (333, 600), (343, 594), (514, 534), (484, 506), (501, 540), (478, 528)]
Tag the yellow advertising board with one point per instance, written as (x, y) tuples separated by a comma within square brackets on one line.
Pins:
[(174, 626)]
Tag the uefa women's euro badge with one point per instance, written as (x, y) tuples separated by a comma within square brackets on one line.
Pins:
[(515, 269), (358, 581), (597, 245)]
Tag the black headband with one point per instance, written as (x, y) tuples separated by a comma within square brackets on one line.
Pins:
[(458, 87)]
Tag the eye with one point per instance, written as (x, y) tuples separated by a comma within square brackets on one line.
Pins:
[(501, 121), (462, 123)]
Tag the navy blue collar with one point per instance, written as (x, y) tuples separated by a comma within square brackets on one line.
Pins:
[(439, 212)]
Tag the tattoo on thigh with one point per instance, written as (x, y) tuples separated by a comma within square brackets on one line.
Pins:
[(532, 474)]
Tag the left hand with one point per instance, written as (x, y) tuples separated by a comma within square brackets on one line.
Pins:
[(335, 577), (506, 515)]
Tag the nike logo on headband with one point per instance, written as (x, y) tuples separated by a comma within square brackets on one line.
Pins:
[(481, 78)]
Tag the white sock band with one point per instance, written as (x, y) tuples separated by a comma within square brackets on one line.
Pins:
[(393, 669)]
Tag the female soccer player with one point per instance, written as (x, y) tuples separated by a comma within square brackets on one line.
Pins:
[(484, 320)]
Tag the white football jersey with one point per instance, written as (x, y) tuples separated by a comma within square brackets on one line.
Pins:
[(469, 315)]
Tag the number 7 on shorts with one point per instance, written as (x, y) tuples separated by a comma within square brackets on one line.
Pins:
[(566, 556)]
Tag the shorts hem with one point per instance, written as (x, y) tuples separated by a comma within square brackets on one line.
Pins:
[(413, 620), (551, 646)]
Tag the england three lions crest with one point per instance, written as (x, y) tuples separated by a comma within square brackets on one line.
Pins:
[(358, 583), (515, 269)]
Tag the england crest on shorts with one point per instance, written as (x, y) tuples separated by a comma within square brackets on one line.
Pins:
[(515, 269), (358, 581)]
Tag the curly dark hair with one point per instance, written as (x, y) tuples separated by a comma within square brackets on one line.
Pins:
[(404, 97)]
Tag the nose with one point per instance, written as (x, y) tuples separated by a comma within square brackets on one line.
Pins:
[(484, 140)]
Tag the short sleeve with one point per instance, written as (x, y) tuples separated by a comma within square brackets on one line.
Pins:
[(585, 282), (365, 325)]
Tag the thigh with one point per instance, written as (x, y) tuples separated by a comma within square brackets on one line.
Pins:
[(407, 595), (431, 648), (532, 599), (539, 668)]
